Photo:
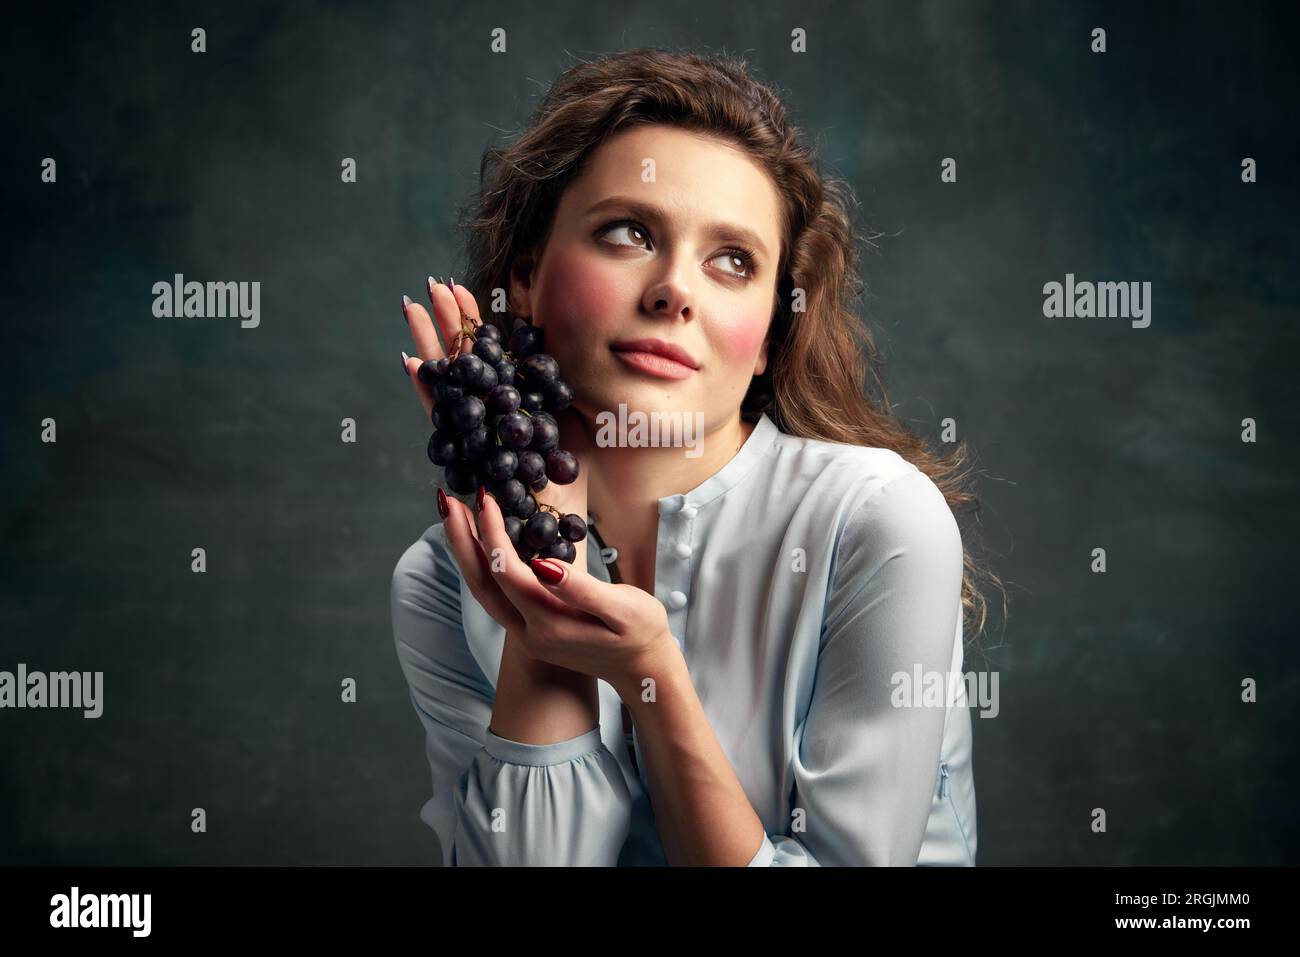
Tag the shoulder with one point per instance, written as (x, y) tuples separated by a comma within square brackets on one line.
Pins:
[(864, 485), (897, 559), (424, 567), (883, 504)]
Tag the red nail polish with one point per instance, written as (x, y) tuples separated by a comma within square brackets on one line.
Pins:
[(480, 498), (443, 509), (545, 569)]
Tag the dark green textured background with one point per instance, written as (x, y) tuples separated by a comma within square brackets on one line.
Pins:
[(1118, 691)]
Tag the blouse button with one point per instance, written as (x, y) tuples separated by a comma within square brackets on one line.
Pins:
[(682, 550), (674, 504), (676, 599), (689, 511)]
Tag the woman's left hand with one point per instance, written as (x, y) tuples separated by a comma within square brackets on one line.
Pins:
[(617, 633)]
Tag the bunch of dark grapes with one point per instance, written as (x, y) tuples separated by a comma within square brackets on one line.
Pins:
[(494, 426)]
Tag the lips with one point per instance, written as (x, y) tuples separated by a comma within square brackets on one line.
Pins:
[(658, 347), (661, 367)]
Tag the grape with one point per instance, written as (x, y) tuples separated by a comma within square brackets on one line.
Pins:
[(531, 466), (487, 379), (515, 429), (560, 549), (573, 528), (558, 395), (467, 367), (442, 448), (509, 494), (468, 412), (561, 466), (541, 530), (489, 351), (502, 399), (525, 341), (500, 464), (460, 478), (428, 371), (546, 432), (514, 529), (494, 428), (445, 392), (475, 443), (479, 476), (539, 369)]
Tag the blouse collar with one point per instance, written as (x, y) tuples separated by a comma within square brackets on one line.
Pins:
[(754, 451)]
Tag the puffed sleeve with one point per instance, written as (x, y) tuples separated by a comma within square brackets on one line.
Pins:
[(865, 770), (494, 801)]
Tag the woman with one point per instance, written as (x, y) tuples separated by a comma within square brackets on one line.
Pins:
[(723, 691)]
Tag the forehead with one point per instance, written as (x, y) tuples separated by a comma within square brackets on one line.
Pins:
[(696, 179)]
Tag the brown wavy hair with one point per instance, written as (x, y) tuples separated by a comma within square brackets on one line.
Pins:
[(824, 374)]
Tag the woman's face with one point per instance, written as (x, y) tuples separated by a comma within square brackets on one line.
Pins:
[(653, 241)]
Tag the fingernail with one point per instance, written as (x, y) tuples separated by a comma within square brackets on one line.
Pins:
[(547, 571), (452, 283), (406, 369), (431, 285), (480, 498), (443, 508), (406, 302)]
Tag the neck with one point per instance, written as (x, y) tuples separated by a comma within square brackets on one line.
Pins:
[(625, 483)]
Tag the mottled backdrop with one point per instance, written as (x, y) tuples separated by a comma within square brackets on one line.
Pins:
[(222, 691)]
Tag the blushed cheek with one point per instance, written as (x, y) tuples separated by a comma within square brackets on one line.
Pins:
[(581, 300), (736, 339)]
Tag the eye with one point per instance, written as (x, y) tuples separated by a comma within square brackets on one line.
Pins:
[(629, 226), (746, 261), (638, 232)]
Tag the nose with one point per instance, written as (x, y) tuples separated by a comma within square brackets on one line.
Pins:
[(669, 298)]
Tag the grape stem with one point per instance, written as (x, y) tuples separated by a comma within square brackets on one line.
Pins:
[(546, 508)]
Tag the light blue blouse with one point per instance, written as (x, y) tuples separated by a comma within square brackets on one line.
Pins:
[(801, 581)]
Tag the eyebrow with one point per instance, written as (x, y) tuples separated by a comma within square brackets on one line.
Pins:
[(647, 211)]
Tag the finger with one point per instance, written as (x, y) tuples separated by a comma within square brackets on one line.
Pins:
[(476, 568), (516, 580), (423, 334), (465, 301), (426, 345), (580, 590), (447, 311), (470, 521), (422, 391)]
